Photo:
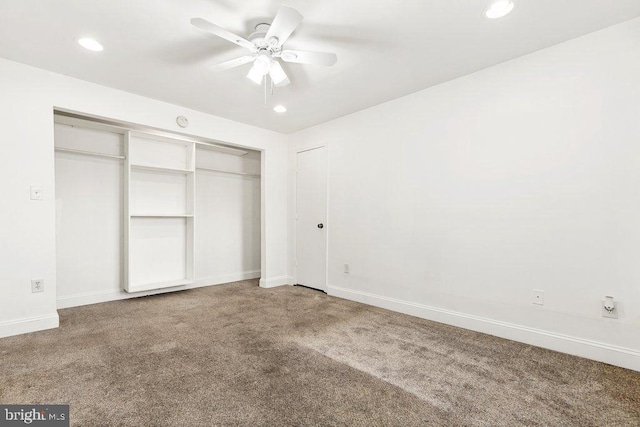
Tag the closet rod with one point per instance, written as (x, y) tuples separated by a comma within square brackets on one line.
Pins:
[(89, 153), (229, 172)]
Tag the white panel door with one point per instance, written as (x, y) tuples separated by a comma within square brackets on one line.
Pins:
[(311, 210)]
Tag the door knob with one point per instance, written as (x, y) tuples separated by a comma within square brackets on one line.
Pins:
[(321, 225)]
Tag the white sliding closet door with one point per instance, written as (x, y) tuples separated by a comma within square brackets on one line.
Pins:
[(88, 214)]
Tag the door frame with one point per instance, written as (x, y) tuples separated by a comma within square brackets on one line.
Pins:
[(325, 285)]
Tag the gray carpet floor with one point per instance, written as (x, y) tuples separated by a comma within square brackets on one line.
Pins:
[(237, 354)]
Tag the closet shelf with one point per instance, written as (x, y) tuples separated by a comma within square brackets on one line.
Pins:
[(251, 175), (89, 153), (161, 215), (160, 169)]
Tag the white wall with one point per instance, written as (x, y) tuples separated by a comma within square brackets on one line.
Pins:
[(227, 217), (453, 203), (27, 229)]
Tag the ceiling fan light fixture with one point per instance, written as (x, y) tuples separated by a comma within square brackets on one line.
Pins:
[(499, 8), (90, 44), (255, 75), (277, 74), (262, 64)]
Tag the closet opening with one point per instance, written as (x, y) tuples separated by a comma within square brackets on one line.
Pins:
[(139, 213)]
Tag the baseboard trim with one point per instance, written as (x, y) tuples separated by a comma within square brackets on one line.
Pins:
[(227, 278), (113, 295), (29, 324), (275, 281), (601, 352)]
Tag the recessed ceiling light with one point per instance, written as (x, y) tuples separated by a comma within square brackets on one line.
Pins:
[(280, 109), (90, 44), (499, 8)]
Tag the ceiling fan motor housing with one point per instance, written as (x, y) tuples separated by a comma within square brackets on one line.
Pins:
[(258, 38)]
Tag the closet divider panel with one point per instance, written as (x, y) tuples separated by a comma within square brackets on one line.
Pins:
[(160, 189)]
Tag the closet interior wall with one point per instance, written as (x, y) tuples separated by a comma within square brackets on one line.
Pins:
[(227, 244), (90, 216)]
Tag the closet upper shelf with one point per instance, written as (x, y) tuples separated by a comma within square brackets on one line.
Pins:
[(161, 215), (160, 169)]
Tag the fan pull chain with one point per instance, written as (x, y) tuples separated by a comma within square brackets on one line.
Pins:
[(265, 92)]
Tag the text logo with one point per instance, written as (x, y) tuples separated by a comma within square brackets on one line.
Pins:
[(35, 415)]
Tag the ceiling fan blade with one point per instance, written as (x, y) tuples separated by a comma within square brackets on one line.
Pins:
[(221, 32), (233, 63), (283, 24), (304, 57), (278, 75)]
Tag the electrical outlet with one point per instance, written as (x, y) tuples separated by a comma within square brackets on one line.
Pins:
[(37, 285), (538, 296), (609, 308), (346, 269)]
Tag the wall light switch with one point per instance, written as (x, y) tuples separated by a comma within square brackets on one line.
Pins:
[(36, 192)]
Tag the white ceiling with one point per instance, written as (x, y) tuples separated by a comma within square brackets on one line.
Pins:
[(386, 48)]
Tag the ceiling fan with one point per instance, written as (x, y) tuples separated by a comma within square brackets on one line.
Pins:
[(266, 45)]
